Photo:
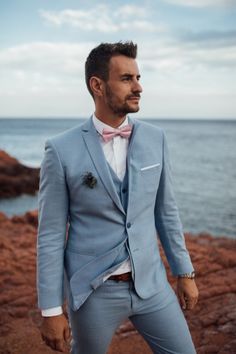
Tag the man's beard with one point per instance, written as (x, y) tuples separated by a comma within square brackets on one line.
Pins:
[(120, 108)]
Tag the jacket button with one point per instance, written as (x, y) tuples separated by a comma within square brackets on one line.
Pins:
[(128, 225)]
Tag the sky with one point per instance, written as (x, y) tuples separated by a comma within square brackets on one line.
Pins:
[(186, 55)]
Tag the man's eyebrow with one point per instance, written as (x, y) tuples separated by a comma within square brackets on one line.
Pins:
[(130, 75)]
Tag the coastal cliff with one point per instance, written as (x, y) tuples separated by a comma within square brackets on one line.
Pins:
[(15, 178), (212, 322)]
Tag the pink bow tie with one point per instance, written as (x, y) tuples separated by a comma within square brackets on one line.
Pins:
[(109, 133)]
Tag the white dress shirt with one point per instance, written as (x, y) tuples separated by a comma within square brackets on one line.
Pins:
[(115, 152)]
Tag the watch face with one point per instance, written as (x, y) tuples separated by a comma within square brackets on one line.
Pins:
[(188, 275)]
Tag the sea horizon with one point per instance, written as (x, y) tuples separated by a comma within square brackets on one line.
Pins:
[(200, 119)]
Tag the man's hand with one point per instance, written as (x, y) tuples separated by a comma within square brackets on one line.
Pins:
[(187, 293), (55, 332)]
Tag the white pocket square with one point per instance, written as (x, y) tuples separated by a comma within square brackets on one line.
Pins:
[(150, 166)]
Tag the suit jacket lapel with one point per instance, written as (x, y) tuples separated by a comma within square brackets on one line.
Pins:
[(135, 125), (91, 139), (131, 165)]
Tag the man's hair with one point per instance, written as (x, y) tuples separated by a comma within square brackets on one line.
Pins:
[(97, 63)]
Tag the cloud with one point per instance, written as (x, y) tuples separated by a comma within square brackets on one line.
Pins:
[(57, 69), (190, 51), (50, 76), (210, 39), (37, 61), (43, 68), (203, 3), (209, 48), (103, 18), (127, 11), (46, 56)]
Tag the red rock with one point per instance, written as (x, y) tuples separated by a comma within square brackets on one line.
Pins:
[(15, 178), (212, 322)]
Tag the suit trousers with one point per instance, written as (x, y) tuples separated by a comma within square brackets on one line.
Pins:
[(159, 319)]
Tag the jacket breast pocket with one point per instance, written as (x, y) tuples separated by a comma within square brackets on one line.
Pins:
[(150, 176)]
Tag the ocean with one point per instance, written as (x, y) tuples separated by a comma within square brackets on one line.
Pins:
[(203, 159)]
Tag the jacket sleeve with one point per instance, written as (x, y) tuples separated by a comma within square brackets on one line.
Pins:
[(167, 220), (53, 216)]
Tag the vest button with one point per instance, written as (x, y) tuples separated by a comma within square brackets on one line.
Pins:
[(128, 225), (124, 190)]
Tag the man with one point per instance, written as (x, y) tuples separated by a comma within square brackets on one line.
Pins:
[(105, 193)]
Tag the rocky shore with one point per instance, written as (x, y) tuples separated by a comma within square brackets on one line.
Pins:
[(212, 322), (15, 178)]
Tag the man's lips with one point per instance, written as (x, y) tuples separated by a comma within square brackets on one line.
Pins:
[(134, 98)]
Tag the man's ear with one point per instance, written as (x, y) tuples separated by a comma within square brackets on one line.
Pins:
[(96, 85)]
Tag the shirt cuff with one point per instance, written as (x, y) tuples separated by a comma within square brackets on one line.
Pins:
[(53, 311)]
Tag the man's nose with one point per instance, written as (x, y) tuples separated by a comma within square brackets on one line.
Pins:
[(137, 86)]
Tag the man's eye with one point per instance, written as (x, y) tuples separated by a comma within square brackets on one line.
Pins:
[(126, 79)]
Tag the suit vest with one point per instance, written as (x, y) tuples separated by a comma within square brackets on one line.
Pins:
[(122, 191)]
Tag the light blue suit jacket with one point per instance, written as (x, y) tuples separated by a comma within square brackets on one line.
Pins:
[(84, 232)]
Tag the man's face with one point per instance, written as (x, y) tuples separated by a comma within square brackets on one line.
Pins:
[(122, 90)]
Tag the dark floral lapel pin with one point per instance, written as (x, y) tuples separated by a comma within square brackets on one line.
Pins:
[(89, 180)]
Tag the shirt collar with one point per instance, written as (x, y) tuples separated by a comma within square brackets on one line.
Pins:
[(99, 125)]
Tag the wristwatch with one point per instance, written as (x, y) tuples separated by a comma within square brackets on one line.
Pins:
[(187, 275)]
